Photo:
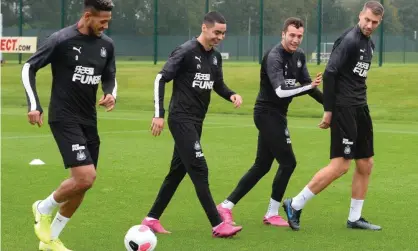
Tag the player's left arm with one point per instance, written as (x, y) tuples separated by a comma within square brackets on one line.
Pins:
[(305, 79), (109, 83), (340, 56), (222, 89)]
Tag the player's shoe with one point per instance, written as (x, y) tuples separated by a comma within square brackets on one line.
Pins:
[(155, 226), (226, 214), (293, 216), (362, 224), (275, 220), (225, 230), (42, 224), (55, 245)]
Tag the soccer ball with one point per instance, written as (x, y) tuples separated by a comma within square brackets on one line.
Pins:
[(140, 238)]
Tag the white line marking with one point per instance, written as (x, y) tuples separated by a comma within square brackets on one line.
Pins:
[(205, 128)]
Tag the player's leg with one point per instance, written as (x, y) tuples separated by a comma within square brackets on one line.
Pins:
[(364, 165), (168, 187), (278, 139), (261, 166), (62, 217), (343, 136), (361, 179), (72, 190), (191, 154), (272, 143), (166, 193), (69, 207), (359, 190), (72, 145)]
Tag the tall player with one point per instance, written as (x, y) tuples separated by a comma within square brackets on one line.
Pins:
[(347, 113), (81, 57)]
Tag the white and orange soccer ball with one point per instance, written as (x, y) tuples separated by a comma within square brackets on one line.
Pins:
[(140, 238)]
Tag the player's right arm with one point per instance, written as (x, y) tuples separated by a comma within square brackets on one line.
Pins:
[(38, 60), (167, 74), (338, 58), (274, 68)]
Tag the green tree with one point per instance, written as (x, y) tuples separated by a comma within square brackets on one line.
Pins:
[(43, 14), (241, 14), (10, 12), (180, 17), (407, 13)]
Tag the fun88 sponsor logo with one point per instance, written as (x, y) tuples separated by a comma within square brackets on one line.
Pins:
[(85, 75), (202, 81), (361, 69)]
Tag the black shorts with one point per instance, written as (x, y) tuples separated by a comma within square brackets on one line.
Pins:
[(187, 145), (79, 144), (351, 133)]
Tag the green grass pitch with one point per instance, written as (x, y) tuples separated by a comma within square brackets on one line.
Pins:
[(133, 164)]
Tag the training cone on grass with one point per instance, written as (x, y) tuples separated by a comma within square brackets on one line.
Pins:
[(36, 162)]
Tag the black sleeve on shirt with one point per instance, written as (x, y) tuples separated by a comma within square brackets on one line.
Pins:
[(316, 94), (329, 91), (339, 57), (167, 74), (38, 60), (219, 86), (109, 83), (274, 69)]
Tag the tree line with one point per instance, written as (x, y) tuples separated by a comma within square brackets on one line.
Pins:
[(181, 17)]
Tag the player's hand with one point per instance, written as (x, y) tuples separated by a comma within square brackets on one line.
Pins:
[(107, 101), (157, 126), (237, 100), (317, 80), (35, 117), (326, 120)]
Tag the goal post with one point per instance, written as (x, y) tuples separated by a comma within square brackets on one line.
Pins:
[(325, 53)]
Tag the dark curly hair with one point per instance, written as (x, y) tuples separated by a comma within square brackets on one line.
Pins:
[(99, 5)]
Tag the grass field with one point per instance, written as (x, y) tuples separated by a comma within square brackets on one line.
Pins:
[(133, 164)]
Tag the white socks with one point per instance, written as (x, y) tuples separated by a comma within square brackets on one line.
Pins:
[(227, 204), (355, 210), (273, 209), (150, 218), (47, 205), (58, 225), (300, 200)]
